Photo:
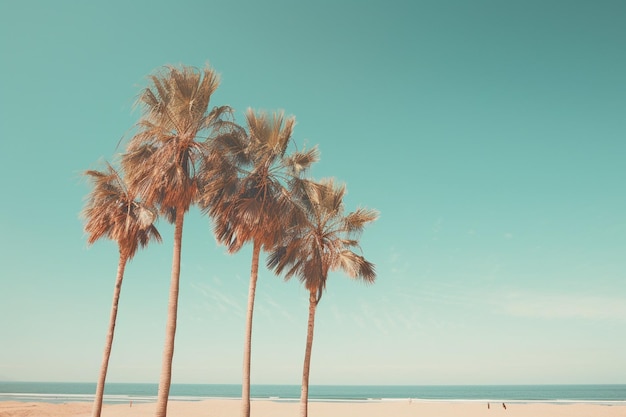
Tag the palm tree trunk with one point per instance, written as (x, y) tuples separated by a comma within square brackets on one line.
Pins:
[(172, 312), (254, 273), (304, 393), (97, 403)]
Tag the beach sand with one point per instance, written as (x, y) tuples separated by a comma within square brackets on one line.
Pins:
[(401, 408)]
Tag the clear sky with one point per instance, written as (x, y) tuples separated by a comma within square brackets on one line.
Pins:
[(489, 134)]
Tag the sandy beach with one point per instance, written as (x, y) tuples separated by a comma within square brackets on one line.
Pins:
[(401, 408)]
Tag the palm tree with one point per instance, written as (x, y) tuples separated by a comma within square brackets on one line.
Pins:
[(321, 241), (112, 211), (162, 163), (254, 205)]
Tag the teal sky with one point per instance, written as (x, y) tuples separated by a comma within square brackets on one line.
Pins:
[(489, 134)]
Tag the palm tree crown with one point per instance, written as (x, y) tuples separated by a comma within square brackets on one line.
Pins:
[(112, 211), (162, 159), (322, 239), (253, 201)]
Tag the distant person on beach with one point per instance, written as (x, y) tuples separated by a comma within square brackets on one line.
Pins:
[(504, 406)]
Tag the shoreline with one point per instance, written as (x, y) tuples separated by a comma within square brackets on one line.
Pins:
[(122, 399), (318, 408)]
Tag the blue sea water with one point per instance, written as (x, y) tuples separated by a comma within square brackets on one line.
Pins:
[(125, 392)]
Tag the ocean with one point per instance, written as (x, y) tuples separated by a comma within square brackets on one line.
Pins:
[(61, 392)]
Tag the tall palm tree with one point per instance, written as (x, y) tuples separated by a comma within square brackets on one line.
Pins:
[(112, 211), (254, 206), (162, 163), (321, 241)]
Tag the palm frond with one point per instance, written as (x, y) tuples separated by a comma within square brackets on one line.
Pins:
[(355, 266), (356, 221), (299, 162)]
